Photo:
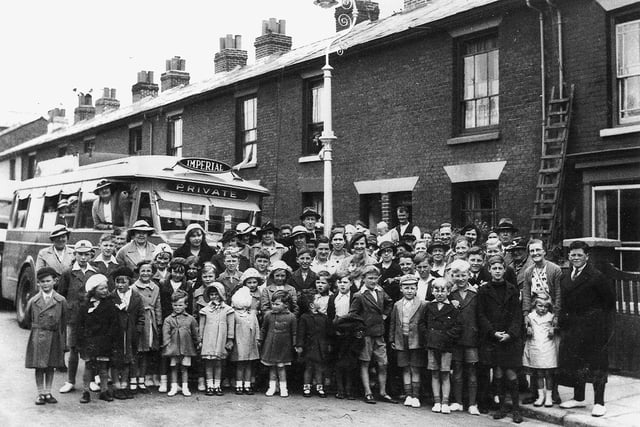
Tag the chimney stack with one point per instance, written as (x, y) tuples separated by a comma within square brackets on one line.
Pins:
[(231, 54), (367, 11), (57, 119), (273, 39), (85, 109), (144, 87), (108, 101), (175, 74), (412, 4)]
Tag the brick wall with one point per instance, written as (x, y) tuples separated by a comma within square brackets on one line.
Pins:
[(23, 133)]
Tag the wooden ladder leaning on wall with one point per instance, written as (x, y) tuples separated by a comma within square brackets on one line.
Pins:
[(546, 206)]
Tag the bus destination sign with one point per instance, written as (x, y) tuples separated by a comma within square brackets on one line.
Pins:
[(206, 190), (204, 165)]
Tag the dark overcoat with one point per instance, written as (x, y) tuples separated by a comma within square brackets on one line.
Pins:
[(372, 311), (279, 335), (496, 314), (468, 316), (584, 320), (313, 336), (48, 323), (98, 331), (130, 325)]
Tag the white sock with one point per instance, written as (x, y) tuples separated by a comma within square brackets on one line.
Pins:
[(238, 384), (247, 384), (209, 383), (216, 383)]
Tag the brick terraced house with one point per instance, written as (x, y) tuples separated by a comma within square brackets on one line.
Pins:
[(466, 109)]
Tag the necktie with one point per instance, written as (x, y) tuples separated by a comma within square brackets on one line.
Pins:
[(574, 274)]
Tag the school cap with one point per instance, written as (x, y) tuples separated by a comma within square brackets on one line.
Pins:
[(83, 246), (408, 279), (46, 271)]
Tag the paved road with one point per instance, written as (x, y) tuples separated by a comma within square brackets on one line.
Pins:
[(18, 393)]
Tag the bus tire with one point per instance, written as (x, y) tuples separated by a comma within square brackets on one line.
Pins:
[(26, 289)]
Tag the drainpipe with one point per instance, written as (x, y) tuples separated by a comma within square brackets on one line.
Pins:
[(543, 95), (552, 5)]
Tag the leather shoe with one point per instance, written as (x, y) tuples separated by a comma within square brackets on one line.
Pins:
[(517, 417), (388, 399), (40, 400), (86, 397), (369, 399), (50, 399), (248, 391), (105, 396)]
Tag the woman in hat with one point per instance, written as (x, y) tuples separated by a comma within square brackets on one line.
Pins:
[(299, 237), (59, 255), (195, 244), (267, 235), (353, 265), (438, 250), (105, 207), (139, 248)]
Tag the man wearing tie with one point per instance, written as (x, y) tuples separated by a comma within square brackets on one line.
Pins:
[(587, 299)]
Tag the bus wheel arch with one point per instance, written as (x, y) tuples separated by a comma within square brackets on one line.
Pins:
[(26, 289)]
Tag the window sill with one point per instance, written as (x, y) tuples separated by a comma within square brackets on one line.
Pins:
[(622, 130), (249, 166), (481, 137), (310, 159)]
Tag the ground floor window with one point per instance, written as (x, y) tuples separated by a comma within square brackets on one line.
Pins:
[(315, 200), (615, 216), (376, 207), (474, 202)]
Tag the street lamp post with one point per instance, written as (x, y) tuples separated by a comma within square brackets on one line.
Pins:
[(328, 137)]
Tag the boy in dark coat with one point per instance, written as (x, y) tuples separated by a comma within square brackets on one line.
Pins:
[(373, 305), (304, 278), (312, 343), (440, 328), (500, 323), (465, 351), (130, 322), (46, 313)]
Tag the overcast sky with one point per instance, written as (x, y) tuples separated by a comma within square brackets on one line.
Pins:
[(50, 47)]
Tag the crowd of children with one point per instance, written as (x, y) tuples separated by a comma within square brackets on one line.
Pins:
[(439, 319)]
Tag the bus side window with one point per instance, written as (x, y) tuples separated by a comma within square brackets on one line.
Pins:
[(50, 212), (20, 217), (144, 208), (34, 214), (85, 219)]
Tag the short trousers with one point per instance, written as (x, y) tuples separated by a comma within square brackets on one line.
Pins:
[(438, 360), (414, 358), (180, 360), (374, 348), (276, 364), (465, 354)]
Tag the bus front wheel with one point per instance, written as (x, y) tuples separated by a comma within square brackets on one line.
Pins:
[(26, 289)]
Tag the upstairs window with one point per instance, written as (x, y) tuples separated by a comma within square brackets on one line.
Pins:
[(628, 71), (135, 140), (313, 122), (247, 129), (174, 136), (480, 105)]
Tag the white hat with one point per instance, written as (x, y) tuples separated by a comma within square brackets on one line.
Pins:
[(244, 228), (162, 248), (94, 281)]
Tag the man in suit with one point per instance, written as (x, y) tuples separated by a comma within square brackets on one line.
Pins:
[(373, 305), (587, 300)]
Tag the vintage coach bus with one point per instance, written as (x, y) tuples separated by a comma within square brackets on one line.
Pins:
[(169, 193)]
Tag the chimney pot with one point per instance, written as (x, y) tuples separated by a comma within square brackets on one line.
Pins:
[(144, 87), (108, 102), (231, 54), (175, 74), (273, 39)]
